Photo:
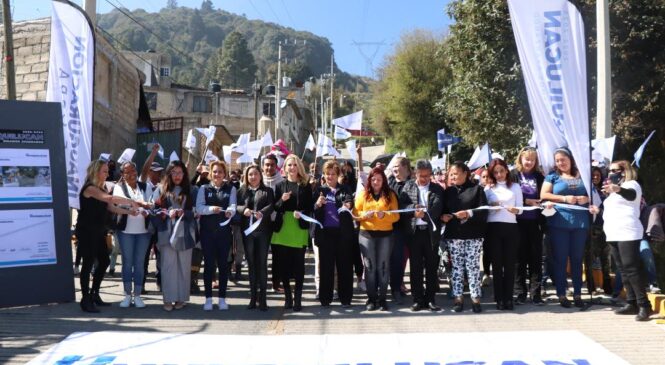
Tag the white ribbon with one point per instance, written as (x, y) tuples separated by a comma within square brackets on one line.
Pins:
[(175, 228), (310, 219), (252, 225), (570, 206), (226, 222), (345, 209)]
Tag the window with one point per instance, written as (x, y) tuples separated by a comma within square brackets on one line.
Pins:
[(151, 100), (164, 71), (202, 104), (269, 109)]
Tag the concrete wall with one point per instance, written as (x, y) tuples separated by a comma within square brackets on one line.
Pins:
[(117, 84)]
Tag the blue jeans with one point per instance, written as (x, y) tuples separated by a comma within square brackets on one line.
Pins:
[(133, 248), (376, 259), (568, 243)]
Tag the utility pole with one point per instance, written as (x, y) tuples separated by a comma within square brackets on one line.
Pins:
[(90, 7), (279, 86), (604, 101), (10, 79), (323, 114), (332, 83), (257, 90)]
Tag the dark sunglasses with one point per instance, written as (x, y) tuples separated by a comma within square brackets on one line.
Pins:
[(616, 171)]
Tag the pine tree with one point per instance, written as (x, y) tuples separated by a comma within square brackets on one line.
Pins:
[(235, 63)]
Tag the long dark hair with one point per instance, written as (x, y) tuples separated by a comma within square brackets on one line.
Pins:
[(573, 166), (384, 192), (462, 166), (493, 165), (168, 186)]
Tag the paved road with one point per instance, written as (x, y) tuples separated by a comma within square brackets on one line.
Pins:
[(27, 331)]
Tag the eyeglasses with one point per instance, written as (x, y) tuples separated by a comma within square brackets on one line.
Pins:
[(177, 173)]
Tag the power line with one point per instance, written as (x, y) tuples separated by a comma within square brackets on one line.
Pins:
[(288, 14), (128, 48), (256, 9), (162, 40), (273, 12)]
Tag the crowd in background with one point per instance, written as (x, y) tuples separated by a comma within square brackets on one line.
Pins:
[(514, 226)]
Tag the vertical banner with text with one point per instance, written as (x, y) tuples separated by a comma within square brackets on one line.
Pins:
[(550, 41), (70, 83)]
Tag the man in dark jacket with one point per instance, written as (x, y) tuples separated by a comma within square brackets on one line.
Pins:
[(422, 227)]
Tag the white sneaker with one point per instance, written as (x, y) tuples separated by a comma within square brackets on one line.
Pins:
[(126, 302), (654, 289), (222, 304), (138, 302), (208, 304)]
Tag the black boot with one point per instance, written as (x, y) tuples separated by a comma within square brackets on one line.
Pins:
[(97, 300), (263, 303), (643, 314), (297, 305), (288, 299), (238, 274), (252, 301), (630, 308), (88, 305)]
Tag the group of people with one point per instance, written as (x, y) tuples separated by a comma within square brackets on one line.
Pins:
[(393, 216)]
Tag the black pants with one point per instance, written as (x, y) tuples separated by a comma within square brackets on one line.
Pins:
[(422, 257), (92, 246), (256, 251), (487, 258), (152, 245), (397, 260), (598, 247), (275, 268), (216, 244), (335, 252), (529, 258), (358, 266), (291, 265), (626, 254), (503, 241)]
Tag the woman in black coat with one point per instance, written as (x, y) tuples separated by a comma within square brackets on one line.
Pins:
[(334, 240), (255, 202)]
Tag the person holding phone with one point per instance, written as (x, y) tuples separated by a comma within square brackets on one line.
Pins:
[(624, 231)]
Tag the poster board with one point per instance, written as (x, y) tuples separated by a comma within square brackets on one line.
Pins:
[(35, 246)]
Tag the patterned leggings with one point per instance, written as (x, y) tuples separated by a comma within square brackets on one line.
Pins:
[(465, 254)]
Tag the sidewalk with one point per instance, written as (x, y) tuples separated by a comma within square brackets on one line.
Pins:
[(25, 332)]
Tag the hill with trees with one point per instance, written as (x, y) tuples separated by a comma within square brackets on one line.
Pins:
[(194, 38)]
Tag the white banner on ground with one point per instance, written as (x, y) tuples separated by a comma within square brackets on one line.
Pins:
[(519, 347), (352, 121), (70, 83), (550, 41)]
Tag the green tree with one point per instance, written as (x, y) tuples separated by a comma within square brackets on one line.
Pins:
[(196, 28), (235, 67), (410, 84), (207, 7), (171, 4)]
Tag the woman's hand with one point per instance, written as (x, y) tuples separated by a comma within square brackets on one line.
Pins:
[(594, 209), (532, 202), (228, 213), (368, 214), (420, 211), (216, 210), (461, 215), (569, 199), (320, 201), (258, 215), (512, 210), (286, 196), (173, 213), (296, 214), (380, 214), (247, 213), (611, 188), (548, 205), (582, 199), (446, 218)]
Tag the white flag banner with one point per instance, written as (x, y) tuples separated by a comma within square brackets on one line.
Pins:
[(603, 148), (311, 145), (241, 145), (341, 133), (352, 121), (127, 155), (254, 148), (226, 153), (246, 158), (70, 83), (174, 157), (640, 151), (267, 140), (550, 41), (480, 157), (209, 133), (326, 146), (210, 157), (533, 141), (190, 143), (105, 156), (351, 148)]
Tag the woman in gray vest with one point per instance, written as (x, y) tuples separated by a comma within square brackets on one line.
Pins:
[(216, 203)]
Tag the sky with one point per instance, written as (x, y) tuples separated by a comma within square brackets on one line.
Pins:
[(377, 23)]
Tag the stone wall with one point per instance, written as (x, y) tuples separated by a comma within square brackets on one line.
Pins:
[(117, 84)]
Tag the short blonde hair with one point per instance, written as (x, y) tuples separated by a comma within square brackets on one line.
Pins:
[(221, 164), (303, 179), (331, 165), (628, 169), (527, 151)]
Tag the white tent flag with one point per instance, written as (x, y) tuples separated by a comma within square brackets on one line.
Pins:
[(70, 83), (190, 143), (352, 121), (210, 157), (311, 145), (341, 133), (174, 157), (550, 41), (127, 155), (480, 157), (326, 147), (267, 140), (209, 133), (351, 147)]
